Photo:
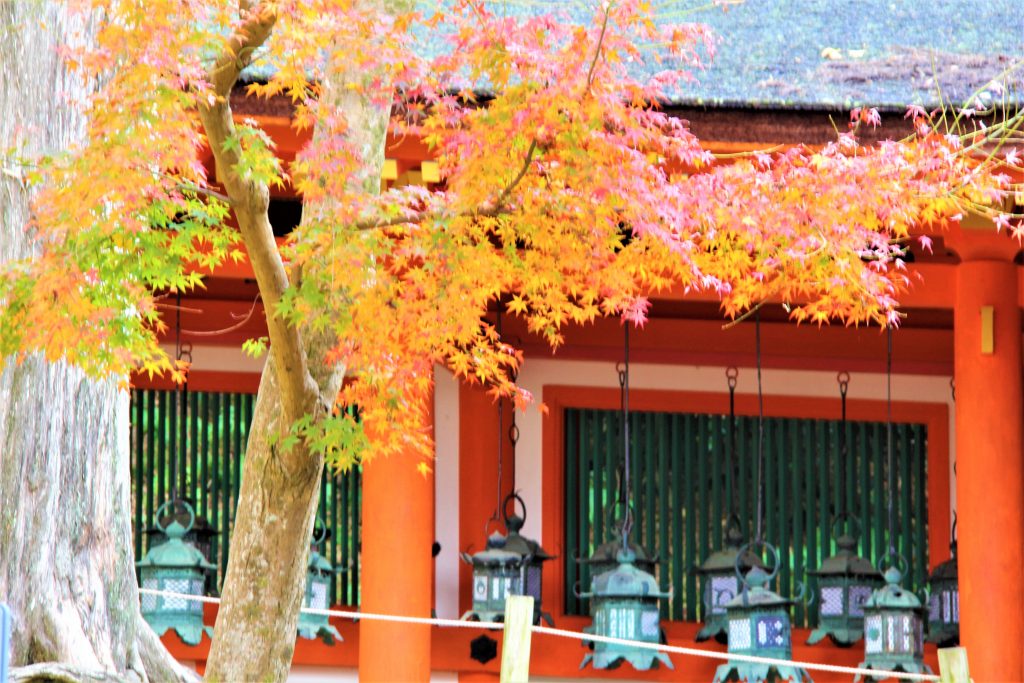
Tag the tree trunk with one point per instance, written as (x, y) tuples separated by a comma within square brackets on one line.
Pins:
[(68, 570), (254, 637)]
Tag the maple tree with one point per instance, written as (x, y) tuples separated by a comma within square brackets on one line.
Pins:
[(566, 192)]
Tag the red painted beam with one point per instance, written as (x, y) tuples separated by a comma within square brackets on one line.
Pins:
[(551, 656)]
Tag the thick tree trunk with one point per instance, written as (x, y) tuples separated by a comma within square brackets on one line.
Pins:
[(67, 569), (254, 637)]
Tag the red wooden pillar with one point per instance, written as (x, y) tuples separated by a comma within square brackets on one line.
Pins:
[(478, 482), (990, 458), (397, 568), (478, 474)]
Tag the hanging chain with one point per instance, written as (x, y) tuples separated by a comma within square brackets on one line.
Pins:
[(496, 516), (888, 429), (760, 432), (731, 375), (513, 436), (177, 396), (627, 514), (184, 354), (843, 378)]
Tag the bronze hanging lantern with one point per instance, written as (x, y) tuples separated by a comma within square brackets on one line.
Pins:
[(894, 627), (944, 599), (893, 615), (719, 581), (758, 618), (319, 576), (174, 566), (624, 599), (759, 626), (845, 580), (510, 565)]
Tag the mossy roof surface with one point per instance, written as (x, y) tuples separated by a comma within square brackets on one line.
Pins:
[(832, 54)]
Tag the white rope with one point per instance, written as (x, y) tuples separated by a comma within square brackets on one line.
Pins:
[(674, 649)]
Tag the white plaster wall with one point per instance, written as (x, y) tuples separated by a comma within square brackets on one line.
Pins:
[(446, 489), (220, 358)]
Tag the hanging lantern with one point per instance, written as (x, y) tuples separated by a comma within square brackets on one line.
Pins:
[(624, 597), (495, 574), (199, 535), (510, 565), (845, 582), (893, 628), (319, 574), (944, 600), (893, 625), (178, 567), (624, 602), (759, 626), (720, 582)]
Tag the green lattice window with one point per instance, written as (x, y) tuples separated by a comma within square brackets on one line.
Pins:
[(679, 474), (207, 454)]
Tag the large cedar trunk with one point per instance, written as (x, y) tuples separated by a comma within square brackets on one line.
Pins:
[(66, 564)]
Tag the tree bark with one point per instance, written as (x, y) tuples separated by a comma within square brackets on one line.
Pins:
[(68, 570), (254, 637)]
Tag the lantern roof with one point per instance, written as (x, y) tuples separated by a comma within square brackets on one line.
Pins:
[(846, 561), (626, 580), (175, 553), (948, 570), (725, 559), (755, 592), (496, 553), (608, 552), (893, 595), (521, 545), (319, 563)]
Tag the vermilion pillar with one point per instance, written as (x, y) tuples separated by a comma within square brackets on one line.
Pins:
[(478, 474), (397, 568), (990, 463)]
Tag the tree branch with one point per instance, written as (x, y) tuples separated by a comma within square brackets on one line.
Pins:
[(250, 200), (507, 191)]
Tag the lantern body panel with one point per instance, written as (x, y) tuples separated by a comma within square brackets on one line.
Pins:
[(492, 584), (944, 603), (845, 584), (164, 613), (894, 640), (893, 629), (624, 604), (840, 604), (178, 567), (720, 584)]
